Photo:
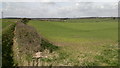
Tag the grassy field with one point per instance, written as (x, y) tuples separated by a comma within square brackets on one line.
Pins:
[(6, 22), (81, 41)]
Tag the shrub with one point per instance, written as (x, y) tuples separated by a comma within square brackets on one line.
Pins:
[(7, 42), (25, 20), (47, 45)]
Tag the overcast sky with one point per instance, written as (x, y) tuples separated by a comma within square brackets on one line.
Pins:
[(60, 9), (60, 0)]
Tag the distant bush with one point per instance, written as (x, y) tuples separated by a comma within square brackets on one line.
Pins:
[(25, 20), (113, 17)]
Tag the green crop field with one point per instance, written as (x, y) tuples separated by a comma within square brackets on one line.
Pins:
[(81, 41)]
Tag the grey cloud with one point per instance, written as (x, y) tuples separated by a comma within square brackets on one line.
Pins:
[(59, 9)]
